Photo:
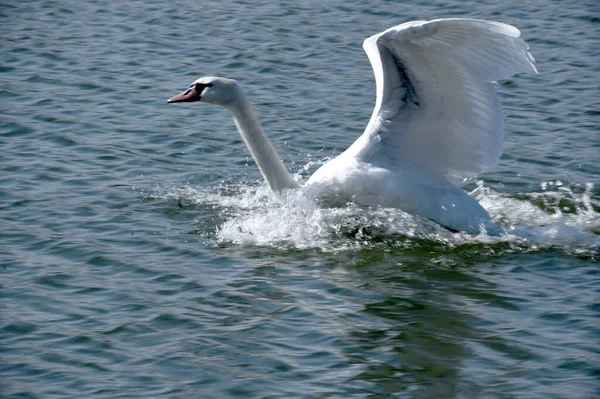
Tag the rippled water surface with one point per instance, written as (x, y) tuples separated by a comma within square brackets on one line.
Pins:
[(142, 255)]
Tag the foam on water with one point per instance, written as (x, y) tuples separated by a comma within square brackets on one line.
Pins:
[(564, 218)]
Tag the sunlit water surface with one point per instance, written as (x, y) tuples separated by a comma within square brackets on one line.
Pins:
[(143, 256)]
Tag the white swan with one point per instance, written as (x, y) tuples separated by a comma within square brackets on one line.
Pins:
[(436, 118)]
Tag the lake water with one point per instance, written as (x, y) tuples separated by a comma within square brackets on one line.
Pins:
[(142, 255)]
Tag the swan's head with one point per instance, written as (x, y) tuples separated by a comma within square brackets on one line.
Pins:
[(210, 89)]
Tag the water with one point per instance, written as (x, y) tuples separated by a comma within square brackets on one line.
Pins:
[(142, 255)]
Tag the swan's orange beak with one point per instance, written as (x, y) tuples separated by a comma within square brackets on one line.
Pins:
[(188, 96)]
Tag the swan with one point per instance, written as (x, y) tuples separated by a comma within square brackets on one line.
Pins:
[(437, 118)]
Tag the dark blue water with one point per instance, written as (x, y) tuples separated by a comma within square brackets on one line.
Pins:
[(143, 256)]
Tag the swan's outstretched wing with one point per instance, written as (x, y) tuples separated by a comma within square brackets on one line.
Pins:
[(436, 106)]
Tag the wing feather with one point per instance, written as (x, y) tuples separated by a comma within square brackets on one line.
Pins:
[(436, 106)]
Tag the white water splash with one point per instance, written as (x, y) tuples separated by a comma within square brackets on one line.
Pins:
[(253, 216), (562, 217)]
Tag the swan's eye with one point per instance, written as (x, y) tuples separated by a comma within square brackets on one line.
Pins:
[(202, 86)]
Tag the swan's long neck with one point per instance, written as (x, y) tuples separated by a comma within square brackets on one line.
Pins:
[(263, 152)]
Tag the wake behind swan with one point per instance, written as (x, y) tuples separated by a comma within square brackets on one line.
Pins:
[(436, 118)]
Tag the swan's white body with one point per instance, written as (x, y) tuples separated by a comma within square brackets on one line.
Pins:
[(436, 118)]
